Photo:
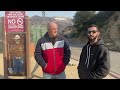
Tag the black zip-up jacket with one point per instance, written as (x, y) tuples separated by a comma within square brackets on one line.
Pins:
[(94, 61)]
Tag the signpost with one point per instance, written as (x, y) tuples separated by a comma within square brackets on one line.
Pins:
[(16, 44)]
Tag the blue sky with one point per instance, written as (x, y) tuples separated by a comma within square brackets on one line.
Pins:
[(48, 13)]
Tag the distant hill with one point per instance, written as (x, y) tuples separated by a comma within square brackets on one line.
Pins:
[(1, 35), (62, 22), (110, 32)]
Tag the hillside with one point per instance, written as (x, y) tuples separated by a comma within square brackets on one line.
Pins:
[(38, 25), (38, 30), (1, 35), (110, 32), (62, 22)]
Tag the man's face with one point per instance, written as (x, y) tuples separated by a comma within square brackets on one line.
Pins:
[(52, 30), (17, 39), (93, 33)]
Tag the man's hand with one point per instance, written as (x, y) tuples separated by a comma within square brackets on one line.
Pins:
[(77, 67), (45, 66)]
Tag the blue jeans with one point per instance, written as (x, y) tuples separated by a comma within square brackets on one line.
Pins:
[(18, 65), (58, 76)]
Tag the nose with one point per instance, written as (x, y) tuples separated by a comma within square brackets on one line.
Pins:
[(55, 30)]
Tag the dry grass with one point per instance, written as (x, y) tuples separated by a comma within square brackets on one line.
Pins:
[(71, 70)]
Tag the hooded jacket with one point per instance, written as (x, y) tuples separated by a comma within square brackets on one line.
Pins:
[(55, 56), (94, 61)]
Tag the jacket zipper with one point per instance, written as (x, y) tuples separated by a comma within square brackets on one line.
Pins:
[(54, 60), (88, 56)]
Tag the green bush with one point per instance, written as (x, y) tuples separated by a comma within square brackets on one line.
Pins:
[(116, 18), (1, 47), (1, 38), (74, 35), (37, 32)]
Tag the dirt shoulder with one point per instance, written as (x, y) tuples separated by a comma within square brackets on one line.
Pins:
[(71, 70)]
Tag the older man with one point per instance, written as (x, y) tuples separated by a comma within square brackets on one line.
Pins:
[(52, 53)]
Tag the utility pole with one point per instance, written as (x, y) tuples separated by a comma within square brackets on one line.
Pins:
[(43, 15), (41, 34)]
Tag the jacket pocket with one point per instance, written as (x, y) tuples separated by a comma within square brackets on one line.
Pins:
[(91, 76), (47, 69)]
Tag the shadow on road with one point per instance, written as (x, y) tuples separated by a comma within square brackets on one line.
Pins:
[(75, 44), (114, 74), (36, 77)]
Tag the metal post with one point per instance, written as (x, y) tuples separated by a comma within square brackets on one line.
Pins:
[(4, 50), (43, 15), (27, 27), (36, 65)]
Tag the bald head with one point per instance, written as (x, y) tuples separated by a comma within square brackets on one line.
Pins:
[(51, 24), (52, 29)]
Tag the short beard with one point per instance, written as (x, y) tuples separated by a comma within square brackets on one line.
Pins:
[(92, 40)]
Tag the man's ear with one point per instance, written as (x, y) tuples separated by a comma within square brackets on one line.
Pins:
[(98, 34)]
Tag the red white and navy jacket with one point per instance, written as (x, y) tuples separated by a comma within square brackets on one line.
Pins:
[(56, 56)]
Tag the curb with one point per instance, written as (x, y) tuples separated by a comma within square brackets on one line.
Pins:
[(114, 74)]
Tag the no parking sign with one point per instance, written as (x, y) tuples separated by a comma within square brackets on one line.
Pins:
[(16, 44), (14, 21)]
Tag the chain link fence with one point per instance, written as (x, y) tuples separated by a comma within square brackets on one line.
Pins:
[(1, 37)]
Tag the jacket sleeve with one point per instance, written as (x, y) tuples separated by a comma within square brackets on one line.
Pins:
[(80, 58), (103, 67), (38, 55), (67, 52)]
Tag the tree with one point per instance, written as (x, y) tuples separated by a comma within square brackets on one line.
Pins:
[(101, 17), (81, 20)]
